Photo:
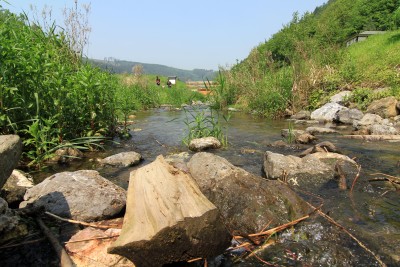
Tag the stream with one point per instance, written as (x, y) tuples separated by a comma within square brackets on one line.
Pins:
[(371, 213)]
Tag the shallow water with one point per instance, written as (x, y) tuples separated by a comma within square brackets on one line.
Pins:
[(372, 212)]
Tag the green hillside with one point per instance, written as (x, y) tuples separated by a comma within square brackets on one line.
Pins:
[(122, 66), (307, 60)]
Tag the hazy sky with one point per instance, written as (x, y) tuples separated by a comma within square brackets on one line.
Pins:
[(186, 34)]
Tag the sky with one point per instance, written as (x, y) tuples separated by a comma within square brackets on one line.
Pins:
[(184, 34)]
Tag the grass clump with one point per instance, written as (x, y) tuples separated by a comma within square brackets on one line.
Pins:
[(205, 123)]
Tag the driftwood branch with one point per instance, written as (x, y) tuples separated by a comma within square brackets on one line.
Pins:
[(65, 260), (390, 178)]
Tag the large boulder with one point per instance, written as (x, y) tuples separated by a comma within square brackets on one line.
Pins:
[(124, 159), (247, 202), (14, 189), (82, 195), (306, 172), (10, 151), (385, 107), (327, 112), (168, 219)]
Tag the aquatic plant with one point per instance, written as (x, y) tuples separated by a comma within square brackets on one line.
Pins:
[(204, 123)]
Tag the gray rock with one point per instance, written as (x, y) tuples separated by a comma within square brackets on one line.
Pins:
[(14, 189), (10, 152), (302, 115), (326, 112), (82, 195), (378, 129), (367, 120), (341, 97), (200, 144), (247, 202), (385, 107), (307, 172), (124, 159), (347, 116)]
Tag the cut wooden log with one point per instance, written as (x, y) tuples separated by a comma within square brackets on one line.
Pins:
[(168, 219)]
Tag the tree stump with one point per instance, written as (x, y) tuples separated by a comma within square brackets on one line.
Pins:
[(168, 219)]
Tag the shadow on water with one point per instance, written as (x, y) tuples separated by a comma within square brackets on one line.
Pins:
[(372, 211)]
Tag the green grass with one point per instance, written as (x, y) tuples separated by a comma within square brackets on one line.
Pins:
[(376, 61)]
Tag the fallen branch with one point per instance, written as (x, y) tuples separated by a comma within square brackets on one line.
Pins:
[(65, 260), (83, 223)]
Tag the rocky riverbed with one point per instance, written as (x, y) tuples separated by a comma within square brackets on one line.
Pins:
[(321, 165)]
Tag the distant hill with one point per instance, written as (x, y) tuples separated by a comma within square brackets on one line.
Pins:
[(121, 66)]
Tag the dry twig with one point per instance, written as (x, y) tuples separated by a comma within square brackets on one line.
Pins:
[(82, 223), (90, 239)]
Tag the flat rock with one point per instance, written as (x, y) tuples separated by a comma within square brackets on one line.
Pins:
[(320, 130), (89, 247), (82, 195), (374, 137), (200, 144), (124, 159)]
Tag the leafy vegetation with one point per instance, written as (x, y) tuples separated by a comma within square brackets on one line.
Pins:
[(53, 99), (307, 61)]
